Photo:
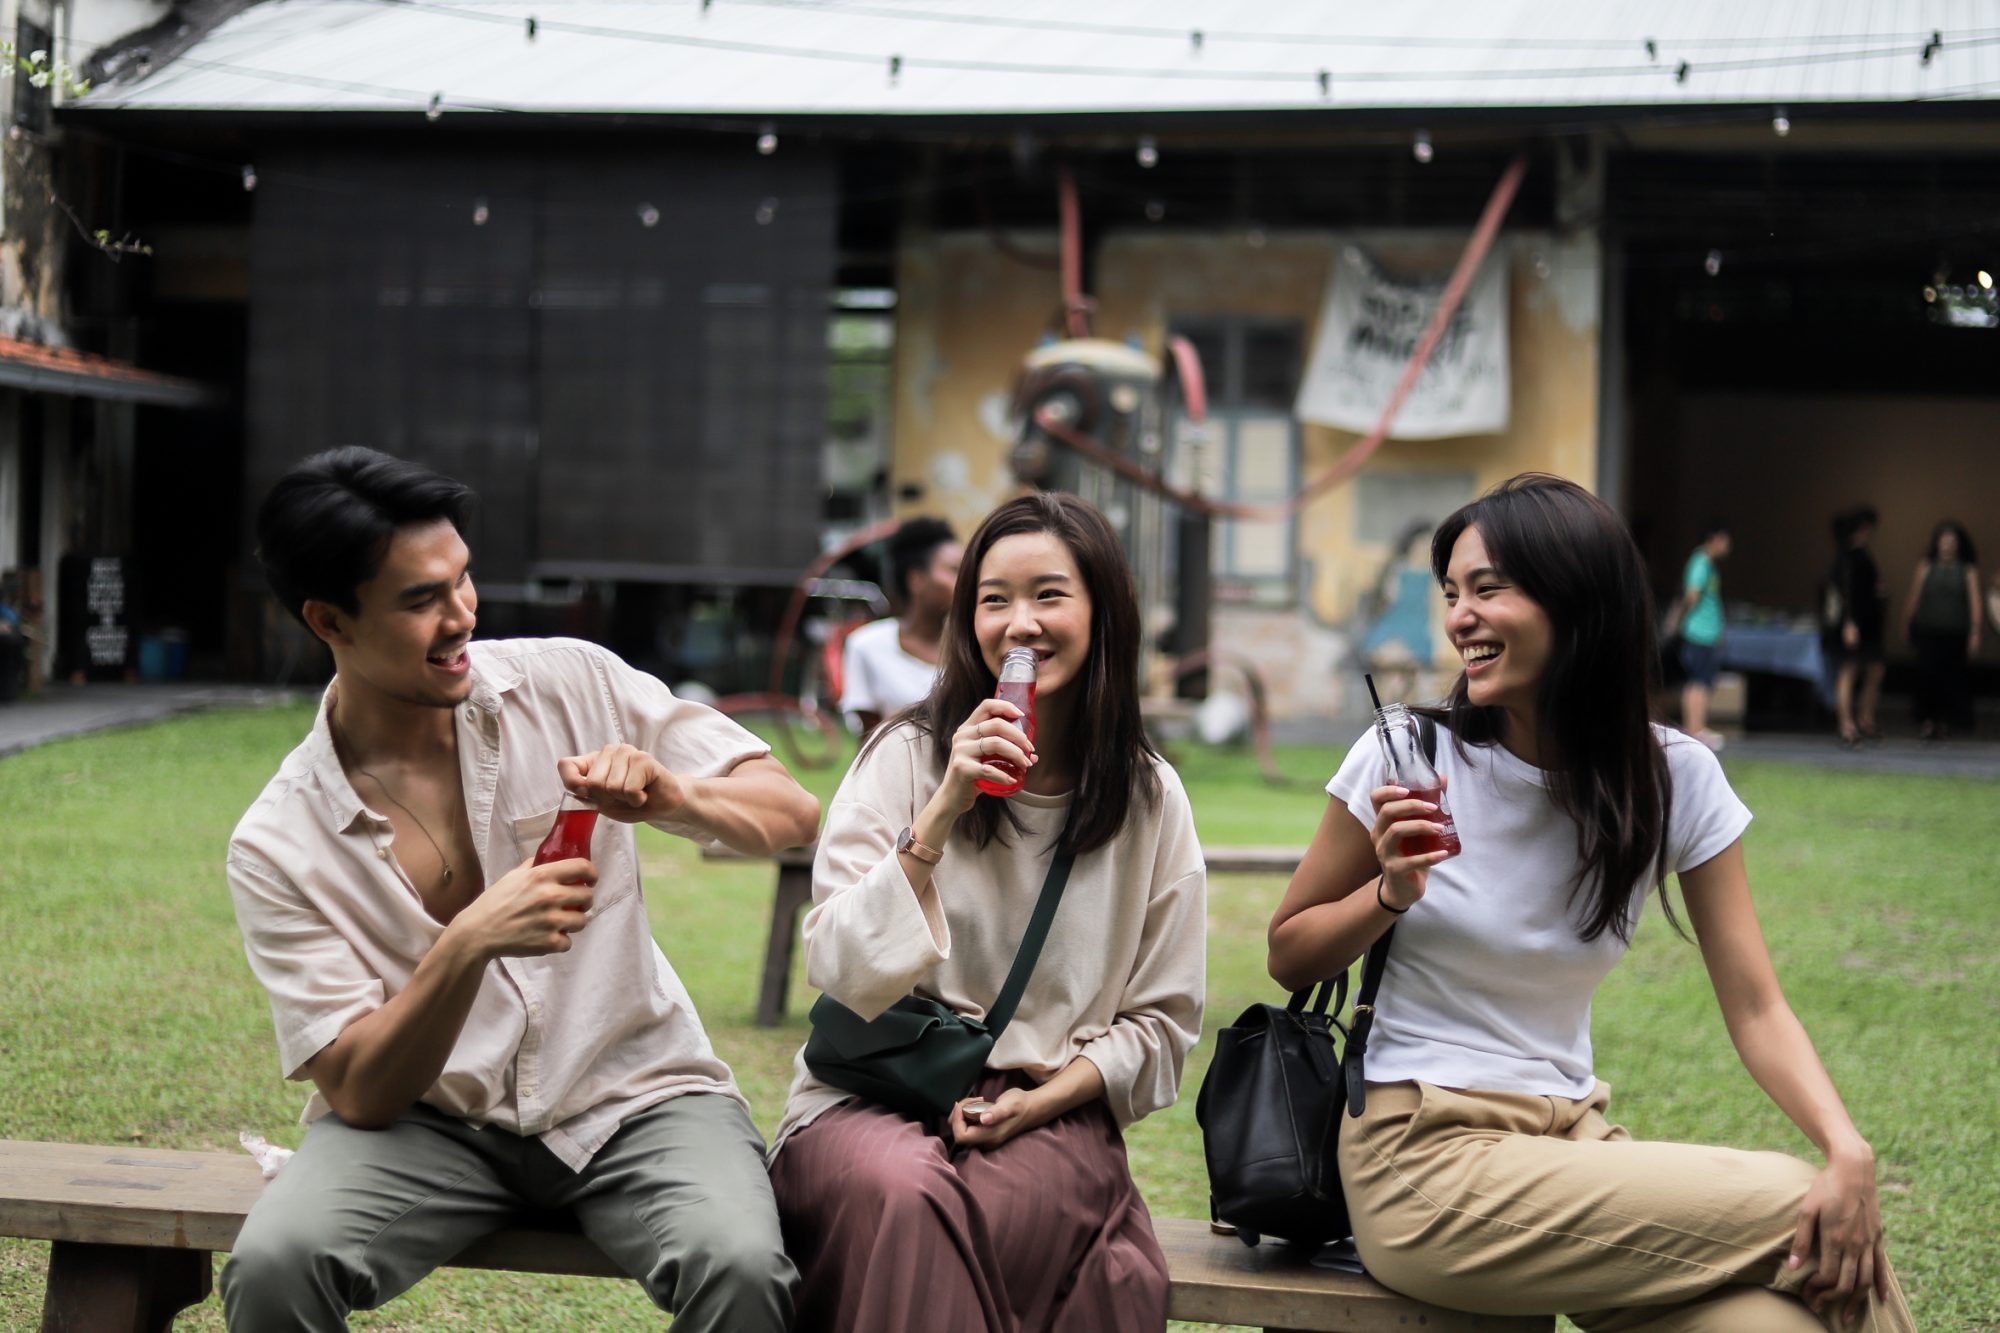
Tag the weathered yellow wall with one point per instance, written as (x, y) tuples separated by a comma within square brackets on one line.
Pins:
[(965, 317), (968, 314), (1147, 282)]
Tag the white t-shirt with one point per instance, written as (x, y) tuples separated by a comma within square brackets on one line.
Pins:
[(877, 676), (1487, 984)]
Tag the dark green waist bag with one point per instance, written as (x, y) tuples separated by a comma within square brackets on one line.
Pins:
[(921, 1056)]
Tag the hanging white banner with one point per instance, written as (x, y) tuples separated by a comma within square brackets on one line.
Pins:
[(1369, 324)]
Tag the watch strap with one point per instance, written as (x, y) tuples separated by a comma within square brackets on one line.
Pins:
[(906, 841)]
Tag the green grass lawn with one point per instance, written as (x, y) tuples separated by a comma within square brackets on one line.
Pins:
[(127, 1013)]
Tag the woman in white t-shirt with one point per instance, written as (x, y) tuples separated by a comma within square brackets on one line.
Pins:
[(1483, 1174)]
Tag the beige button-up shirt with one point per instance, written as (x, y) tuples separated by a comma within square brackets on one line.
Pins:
[(564, 1047)]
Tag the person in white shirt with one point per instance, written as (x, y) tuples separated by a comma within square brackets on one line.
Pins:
[(484, 1036), (889, 664), (1483, 1174), (922, 884)]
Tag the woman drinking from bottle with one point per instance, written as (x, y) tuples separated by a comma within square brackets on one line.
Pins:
[(1016, 1211), (1483, 1173)]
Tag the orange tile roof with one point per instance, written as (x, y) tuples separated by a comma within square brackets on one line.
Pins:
[(30, 365)]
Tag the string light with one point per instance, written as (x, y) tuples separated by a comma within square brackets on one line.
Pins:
[(1155, 210), (1985, 280), (249, 178), (1421, 149), (480, 212), (1781, 124), (648, 216), (767, 139), (1149, 152), (1713, 264), (767, 211)]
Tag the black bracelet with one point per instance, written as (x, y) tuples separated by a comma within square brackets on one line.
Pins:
[(1383, 903)]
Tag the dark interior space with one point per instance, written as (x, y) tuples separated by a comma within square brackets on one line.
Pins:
[(1802, 337)]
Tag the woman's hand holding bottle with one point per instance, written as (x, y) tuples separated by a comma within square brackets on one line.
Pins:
[(993, 732), (1404, 823)]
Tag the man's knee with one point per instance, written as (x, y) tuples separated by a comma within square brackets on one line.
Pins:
[(737, 1276), (282, 1267), (749, 1260)]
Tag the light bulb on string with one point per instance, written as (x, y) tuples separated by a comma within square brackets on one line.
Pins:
[(480, 212), (1712, 265), (1155, 210), (1781, 124), (249, 178), (1149, 152), (1985, 280), (767, 139), (649, 216), (767, 211), (1421, 148)]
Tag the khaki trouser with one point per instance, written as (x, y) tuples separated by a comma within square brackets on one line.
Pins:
[(678, 1198), (1506, 1203)]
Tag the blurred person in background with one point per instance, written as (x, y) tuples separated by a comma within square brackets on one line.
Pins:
[(1942, 621)]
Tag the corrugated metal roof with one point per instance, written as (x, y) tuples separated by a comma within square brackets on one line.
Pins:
[(1011, 57)]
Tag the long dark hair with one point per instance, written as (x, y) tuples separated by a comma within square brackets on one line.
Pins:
[(1967, 553), (1568, 551), (1113, 756)]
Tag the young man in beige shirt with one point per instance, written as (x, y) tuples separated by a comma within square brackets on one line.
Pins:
[(484, 1036)]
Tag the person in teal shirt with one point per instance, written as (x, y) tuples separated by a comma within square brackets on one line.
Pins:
[(1701, 631)]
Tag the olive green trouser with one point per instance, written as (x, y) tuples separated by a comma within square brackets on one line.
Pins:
[(1507, 1203), (678, 1198)]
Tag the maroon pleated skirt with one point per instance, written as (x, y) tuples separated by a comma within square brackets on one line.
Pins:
[(895, 1231)]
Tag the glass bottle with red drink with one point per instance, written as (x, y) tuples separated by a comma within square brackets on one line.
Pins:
[(570, 837), (1407, 767), (1017, 687)]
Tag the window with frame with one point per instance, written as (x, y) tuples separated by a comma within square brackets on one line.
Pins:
[(1247, 450)]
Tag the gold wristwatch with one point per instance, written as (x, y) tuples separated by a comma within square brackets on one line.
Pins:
[(906, 841)]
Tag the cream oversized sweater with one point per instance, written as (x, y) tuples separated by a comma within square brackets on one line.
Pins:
[(1120, 980)]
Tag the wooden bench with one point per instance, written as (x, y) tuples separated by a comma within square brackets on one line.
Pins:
[(794, 895), (135, 1229)]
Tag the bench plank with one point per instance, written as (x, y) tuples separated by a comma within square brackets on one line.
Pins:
[(1220, 1280), (95, 1201)]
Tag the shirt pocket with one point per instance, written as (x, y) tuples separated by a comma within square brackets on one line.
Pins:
[(529, 830)]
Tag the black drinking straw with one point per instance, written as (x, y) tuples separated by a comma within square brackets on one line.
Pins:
[(1371, 691)]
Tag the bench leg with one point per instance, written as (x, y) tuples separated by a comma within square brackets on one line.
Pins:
[(794, 893), (121, 1288)]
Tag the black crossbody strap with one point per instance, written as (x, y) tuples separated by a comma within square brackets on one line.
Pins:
[(1030, 952), (1371, 973)]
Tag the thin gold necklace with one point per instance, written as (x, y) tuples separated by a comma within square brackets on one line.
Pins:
[(383, 787)]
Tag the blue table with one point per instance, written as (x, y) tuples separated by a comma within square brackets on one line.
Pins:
[(1779, 650)]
